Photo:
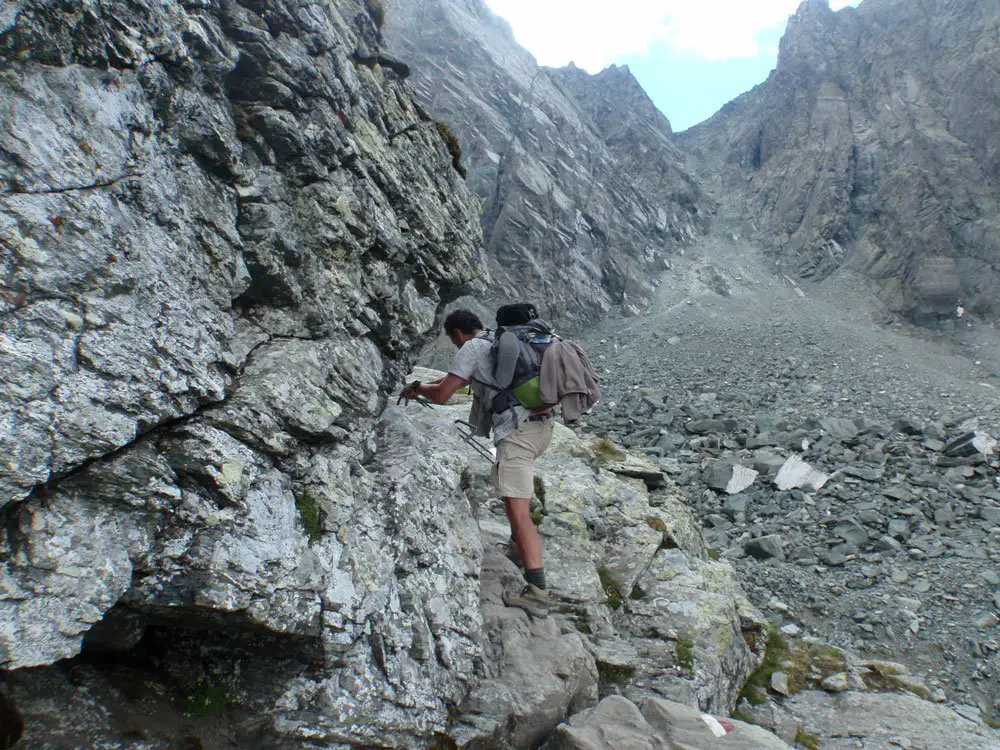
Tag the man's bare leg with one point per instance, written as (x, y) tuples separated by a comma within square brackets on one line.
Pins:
[(523, 530), (534, 599)]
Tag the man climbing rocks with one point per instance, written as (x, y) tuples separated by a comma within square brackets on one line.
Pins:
[(521, 436)]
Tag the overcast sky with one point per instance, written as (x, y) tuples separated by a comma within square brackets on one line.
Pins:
[(691, 56)]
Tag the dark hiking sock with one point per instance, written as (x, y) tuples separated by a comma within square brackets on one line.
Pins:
[(536, 577)]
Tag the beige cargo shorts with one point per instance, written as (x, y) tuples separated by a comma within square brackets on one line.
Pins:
[(514, 470)]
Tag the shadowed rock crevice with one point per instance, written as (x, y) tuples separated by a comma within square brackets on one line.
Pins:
[(11, 723), (175, 684), (111, 182)]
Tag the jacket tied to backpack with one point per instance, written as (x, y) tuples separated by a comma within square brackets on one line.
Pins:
[(568, 378)]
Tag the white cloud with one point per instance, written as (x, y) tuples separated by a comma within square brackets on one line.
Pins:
[(594, 34)]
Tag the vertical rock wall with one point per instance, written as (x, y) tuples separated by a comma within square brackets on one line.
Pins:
[(222, 225)]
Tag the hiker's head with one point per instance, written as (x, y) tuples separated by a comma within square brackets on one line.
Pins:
[(462, 325)]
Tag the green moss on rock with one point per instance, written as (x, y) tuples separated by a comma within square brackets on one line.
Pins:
[(685, 655), (207, 700), (454, 147), (806, 740), (614, 674), (755, 689), (310, 515), (606, 452)]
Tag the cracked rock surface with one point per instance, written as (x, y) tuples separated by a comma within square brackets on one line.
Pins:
[(221, 226)]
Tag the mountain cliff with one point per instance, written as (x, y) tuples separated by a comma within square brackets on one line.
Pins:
[(584, 195), (875, 142), (221, 227)]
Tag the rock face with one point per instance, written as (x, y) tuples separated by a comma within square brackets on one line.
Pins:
[(182, 187), (874, 142), (221, 226), (584, 195)]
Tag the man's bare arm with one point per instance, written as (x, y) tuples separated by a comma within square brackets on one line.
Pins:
[(440, 390)]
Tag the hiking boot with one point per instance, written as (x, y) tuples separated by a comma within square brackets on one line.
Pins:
[(533, 600)]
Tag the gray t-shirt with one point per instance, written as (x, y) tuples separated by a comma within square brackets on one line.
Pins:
[(473, 363)]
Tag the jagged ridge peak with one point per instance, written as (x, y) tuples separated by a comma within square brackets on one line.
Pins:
[(614, 92)]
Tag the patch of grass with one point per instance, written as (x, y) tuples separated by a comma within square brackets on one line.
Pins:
[(310, 515), (583, 626), (714, 554), (537, 504), (454, 147), (740, 716), (606, 452), (638, 592), (685, 655), (755, 689), (821, 660), (614, 674), (208, 700), (377, 11), (888, 682), (806, 666), (806, 740), (611, 588)]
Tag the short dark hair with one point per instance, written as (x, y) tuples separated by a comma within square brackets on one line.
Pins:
[(465, 321)]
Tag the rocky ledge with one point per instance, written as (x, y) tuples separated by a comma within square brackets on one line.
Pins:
[(651, 640), (375, 616)]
